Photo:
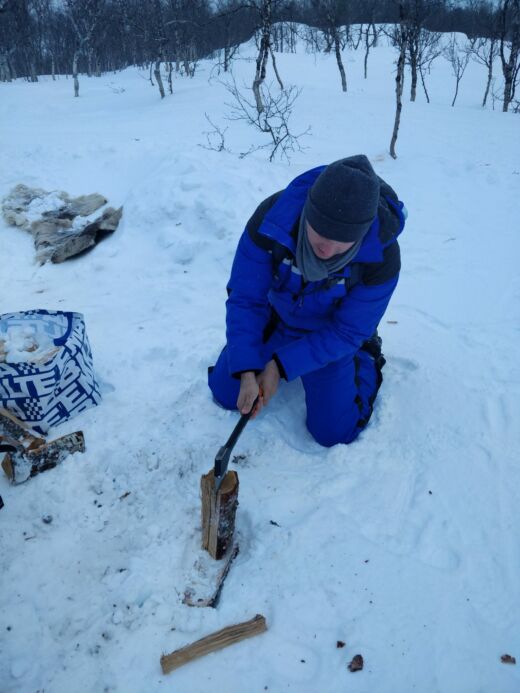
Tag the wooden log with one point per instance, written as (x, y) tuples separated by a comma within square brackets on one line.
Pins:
[(211, 643), (40, 455), (218, 513)]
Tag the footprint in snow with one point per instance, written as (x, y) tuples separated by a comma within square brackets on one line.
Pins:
[(405, 364), (187, 186)]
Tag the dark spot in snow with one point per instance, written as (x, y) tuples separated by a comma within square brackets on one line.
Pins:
[(272, 522), (8, 627), (340, 643), (356, 664), (302, 661), (47, 519), (431, 494)]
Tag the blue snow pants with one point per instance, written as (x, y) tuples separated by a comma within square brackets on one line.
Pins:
[(339, 396)]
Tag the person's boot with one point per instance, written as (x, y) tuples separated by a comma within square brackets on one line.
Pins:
[(373, 347)]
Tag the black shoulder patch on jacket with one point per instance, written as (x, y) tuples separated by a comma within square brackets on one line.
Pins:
[(375, 273), (389, 220), (256, 220), (386, 190)]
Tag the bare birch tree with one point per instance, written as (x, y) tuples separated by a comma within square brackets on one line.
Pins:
[(265, 10), (370, 35), (22, 26), (7, 43), (226, 15), (509, 48), (84, 16), (400, 39), (272, 122), (332, 13), (421, 42), (159, 42), (484, 51), (458, 57), (429, 49)]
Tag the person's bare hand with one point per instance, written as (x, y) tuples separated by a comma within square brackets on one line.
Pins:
[(249, 391), (268, 380)]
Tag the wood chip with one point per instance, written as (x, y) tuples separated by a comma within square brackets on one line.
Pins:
[(356, 664)]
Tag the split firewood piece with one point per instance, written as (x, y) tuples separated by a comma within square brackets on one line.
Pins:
[(212, 643), (13, 426), (218, 513), (21, 465)]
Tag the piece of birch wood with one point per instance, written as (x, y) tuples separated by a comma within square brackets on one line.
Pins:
[(207, 577), (218, 513), (40, 455), (211, 643)]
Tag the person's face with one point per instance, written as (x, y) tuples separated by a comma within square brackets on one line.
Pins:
[(323, 247)]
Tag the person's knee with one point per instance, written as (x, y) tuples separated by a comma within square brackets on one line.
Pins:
[(224, 390), (329, 435)]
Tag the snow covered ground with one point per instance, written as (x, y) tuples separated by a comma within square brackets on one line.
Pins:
[(404, 545)]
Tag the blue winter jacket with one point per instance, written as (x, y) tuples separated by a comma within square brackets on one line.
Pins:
[(329, 319)]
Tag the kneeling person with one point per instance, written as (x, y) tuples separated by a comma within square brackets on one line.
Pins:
[(313, 274)]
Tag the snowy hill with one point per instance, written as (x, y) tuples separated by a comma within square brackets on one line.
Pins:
[(403, 545)]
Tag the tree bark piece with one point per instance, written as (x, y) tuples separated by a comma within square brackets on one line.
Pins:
[(208, 578), (211, 643), (218, 513)]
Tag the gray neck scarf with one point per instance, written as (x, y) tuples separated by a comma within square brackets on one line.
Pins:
[(311, 266)]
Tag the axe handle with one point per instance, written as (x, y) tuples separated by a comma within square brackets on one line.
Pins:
[(223, 455)]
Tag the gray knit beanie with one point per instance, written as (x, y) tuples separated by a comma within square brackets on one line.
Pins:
[(342, 203)]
